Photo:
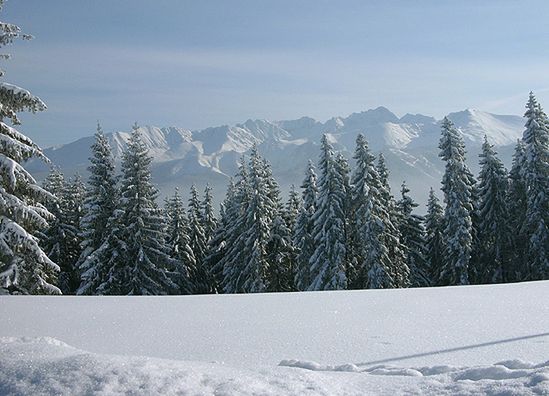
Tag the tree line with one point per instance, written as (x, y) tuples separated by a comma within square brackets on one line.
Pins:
[(343, 230)]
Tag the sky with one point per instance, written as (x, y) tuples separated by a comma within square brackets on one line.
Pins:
[(196, 64)]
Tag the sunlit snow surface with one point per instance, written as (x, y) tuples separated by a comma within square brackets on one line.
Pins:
[(464, 340)]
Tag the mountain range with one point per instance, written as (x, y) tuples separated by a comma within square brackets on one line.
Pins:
[(410, 145)]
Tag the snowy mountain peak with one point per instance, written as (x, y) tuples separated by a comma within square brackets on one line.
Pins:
[(474, 124), (410, 144)]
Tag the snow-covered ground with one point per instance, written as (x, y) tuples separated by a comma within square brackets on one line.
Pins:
[(455, 340)]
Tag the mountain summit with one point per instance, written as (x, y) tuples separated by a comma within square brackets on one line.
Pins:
[(410, 144)]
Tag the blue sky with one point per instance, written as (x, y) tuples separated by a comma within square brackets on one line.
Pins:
[(202, 63)]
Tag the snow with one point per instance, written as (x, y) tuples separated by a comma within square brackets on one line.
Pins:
[(410, 144), (44, 366), (466, 340)]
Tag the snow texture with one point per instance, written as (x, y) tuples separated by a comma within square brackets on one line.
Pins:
[(415, 341)]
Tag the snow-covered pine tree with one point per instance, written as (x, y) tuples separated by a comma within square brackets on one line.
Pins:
[(142, 268), (434, 234), (72, 201), (236, 214), (293, 205), (263, 208), (200, 277), (54, 240), (536, 176), (457, 188), (413, 238), (178, 242), (208, 218), (373, 268), (344, 171), (303, 240), (517, 203), (24, 267), (399, 269), (328, 263), (217, 247), (98, 223), (280, 258), (493, 231), (60, 240)]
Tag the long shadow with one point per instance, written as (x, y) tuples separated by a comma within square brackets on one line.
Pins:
[(463, 348)]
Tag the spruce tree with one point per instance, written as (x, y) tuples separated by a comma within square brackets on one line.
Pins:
[(98, 222), (236, 214), (328, 263), (413, 238), (457, 188), (197, 240), (178, 242), (24, 267), (280, 258), (61, 241), (293, 205), (493, 232), (536, 177), (208, 219), (517, 202), (373, 268), (303, 239), (55, 236), (217, 247), (261, 212), (62, 237), (392, 238), (142, 268), (434, 237)]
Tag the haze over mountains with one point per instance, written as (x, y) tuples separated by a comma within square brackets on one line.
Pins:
[(410, 145)]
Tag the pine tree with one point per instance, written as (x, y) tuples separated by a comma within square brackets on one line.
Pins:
[(517, 202), (178, 242), (217, 247), (303, 239), (24, 267), (54, 240), (98, 222), (261, 212), (280, 258), (142, 268), (208, 219), (434, 237), (414, 240), (399, 270), (235, 212), (493, 230), (293, 206), (328, 263), (61, 241), (72, 200), (457, 188), (373, 268), (197, 240), (536, 176)]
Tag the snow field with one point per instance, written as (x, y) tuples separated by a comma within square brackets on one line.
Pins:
[(44, 366)]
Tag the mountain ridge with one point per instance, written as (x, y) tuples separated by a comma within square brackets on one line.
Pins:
[(210, 155)]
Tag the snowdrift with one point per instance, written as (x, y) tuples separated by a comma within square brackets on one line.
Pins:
[(466, 340)]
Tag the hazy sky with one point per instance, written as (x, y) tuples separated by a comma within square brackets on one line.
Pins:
[(202, 63)]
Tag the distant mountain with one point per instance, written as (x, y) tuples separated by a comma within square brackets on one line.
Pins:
[(409, 143)]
